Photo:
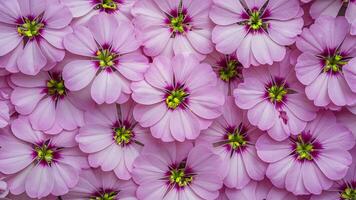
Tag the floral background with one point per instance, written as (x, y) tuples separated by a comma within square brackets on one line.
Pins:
[(178, 99)]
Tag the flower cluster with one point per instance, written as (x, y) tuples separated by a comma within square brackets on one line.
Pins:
[(178, 99)]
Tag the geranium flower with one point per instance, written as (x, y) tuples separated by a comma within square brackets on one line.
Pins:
[(31, 36), (178, 98), (326, 65), (39, 164), (274, 99), (113, 141), (257, 31), (110, 59), (311, 161), (177, 171), (233, 139), (174, 27), (45, 98)]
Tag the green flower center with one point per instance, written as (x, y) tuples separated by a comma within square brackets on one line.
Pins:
[(334, 63), (123, 135), (236, 140), (30, 28), (109, 4), (106, 58), (348, 194), (56, 87), (179, 177), (175, 98), (276, 93), (105, 196), (255, 22), (304, 149), (229, 72), (177, 23), (44, 153)]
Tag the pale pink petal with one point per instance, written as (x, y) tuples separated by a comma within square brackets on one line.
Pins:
[(32, 60), (78, 74), (106, 87), (44, 116)]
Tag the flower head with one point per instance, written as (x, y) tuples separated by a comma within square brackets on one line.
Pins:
[(255, 30), (174, 100), (326, 65), (40, 165), (32, 38), (233, 140), (172, 170), (306, 163), (174, 27), (275, 100), (112, 141), (47, 101), (109, 63)]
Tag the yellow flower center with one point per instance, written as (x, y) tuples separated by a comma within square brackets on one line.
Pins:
[(123, 135), (175, 98), (44, 153), (179, 177), (30, 28)]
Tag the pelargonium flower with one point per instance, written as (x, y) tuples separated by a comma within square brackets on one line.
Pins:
[(311, 161), (275, 100), (31, 36), (95, 184), (228, 70), (110, 59), (177, 98), (174, 27), (37, 163), (261, 190), (257, 31), (83, 10), (326, 65), (344, 189), (6, 107), (233, 139), (113, 141), (177, 171), (45, 98)]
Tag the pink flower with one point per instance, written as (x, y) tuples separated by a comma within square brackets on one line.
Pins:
[(262, 190), (351, 15), (96, 184), (176, 171), (39, 164), (257, 33), (174, 27), (327, 63), (228, 70), (47, 101), (112, 141), (178, 98), (31, 36), (83, 10), (275, 100), (310, 162), (110, 59), (234, 139)]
